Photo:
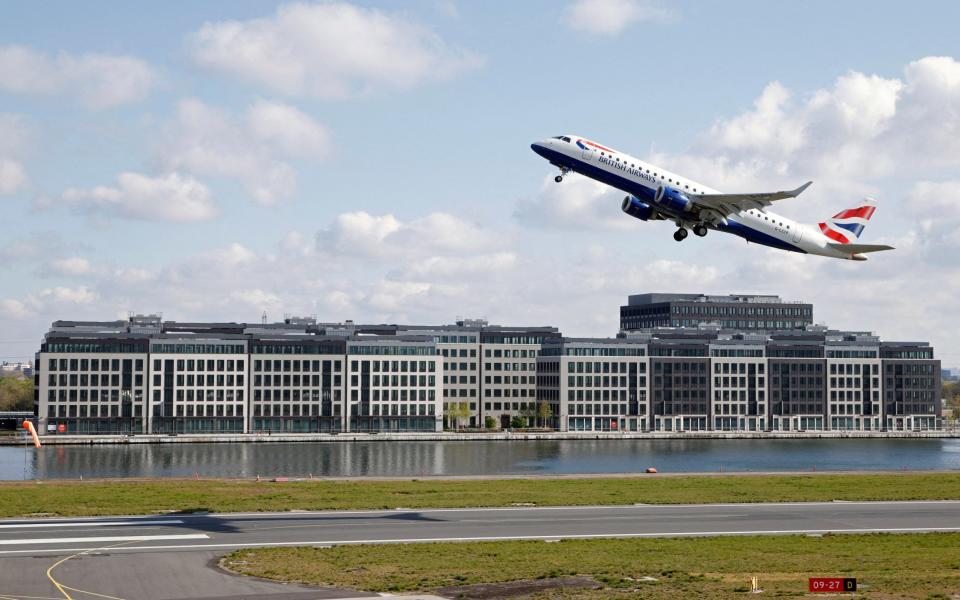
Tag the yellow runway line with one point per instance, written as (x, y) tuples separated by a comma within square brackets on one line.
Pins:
[(63, 588)]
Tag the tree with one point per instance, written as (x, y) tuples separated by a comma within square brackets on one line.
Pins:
[(16, 393), (457, 412), (517, 422), (544, 412), (951, 393), (489, 422), (528, 412)]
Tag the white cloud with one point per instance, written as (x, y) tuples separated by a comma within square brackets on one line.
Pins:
[(577, 204), (13, 134), (208, 141), (610, 17), (443, 266), (935, 200), (65, 295), (332, 50), (862, 127), (935, 207), (363, 234), (15, 309), (12, 176), (70, 266), (49, 301), (171, 197), (257, 299), (233, 255), (96, 81), (38, 246), (289, 130)]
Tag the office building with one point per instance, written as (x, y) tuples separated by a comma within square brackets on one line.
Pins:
[(747, 312), (708, 379), (146, 375), (488, 370)]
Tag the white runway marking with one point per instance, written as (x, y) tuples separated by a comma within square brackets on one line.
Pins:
[(121, 538), (580, 536), (90, 524)]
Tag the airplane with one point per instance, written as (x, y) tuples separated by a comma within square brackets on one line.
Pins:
[(657, 194)]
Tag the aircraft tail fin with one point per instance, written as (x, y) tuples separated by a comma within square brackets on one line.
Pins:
[(847, 225)]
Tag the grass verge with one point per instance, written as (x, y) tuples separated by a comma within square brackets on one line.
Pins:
[(885, 565), (59, 498)]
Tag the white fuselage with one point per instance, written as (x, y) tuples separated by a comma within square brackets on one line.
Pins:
[(642, 180)]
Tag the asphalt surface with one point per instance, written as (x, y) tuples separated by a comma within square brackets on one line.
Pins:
[(174, 556)]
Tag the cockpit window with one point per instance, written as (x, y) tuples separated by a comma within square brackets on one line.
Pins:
[(562, 138), (565, 138)]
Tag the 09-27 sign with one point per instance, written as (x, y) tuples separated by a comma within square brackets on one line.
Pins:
[(832, 585)]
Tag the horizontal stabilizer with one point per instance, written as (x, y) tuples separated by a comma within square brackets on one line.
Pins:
[(860, 248)]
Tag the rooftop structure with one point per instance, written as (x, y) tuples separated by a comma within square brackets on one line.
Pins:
[(735, 311)]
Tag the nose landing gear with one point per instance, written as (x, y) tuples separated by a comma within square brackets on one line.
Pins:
[(563, 171)]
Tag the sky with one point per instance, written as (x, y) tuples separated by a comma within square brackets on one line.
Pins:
[(371, 160)]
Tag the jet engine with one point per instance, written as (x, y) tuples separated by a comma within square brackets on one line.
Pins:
[(637, 209), (673, 200)]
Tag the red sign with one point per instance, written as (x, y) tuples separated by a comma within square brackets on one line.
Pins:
[(832, 585), (613, 423), (61, 428)]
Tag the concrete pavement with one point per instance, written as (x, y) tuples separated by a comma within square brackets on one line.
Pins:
[(166, 557)]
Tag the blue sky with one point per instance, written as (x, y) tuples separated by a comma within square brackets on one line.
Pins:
[(371, 160)]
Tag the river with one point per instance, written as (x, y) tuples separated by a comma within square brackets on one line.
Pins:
[(413, 459)]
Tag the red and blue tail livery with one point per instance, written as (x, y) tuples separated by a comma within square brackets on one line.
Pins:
[(655, 194), (849, 223)]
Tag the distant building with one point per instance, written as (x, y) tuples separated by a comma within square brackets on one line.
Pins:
[(491, 368), (748, 312), (685, 379), (146, 375), (16, 368)]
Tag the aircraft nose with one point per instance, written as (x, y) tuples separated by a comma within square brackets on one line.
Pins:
[(539, 148)]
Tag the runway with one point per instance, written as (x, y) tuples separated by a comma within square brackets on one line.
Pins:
[(166, 557)]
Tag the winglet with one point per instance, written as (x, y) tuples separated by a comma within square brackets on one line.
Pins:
[(799, 190)]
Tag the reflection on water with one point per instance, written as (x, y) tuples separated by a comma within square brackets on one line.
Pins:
[(412, 459)]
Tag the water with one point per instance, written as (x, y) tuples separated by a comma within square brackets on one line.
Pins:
[(412, 459)]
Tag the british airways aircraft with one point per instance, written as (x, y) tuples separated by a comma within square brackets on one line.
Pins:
[(656, 194)]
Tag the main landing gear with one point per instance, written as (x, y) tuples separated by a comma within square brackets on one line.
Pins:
[(563, 171), (682, 232)]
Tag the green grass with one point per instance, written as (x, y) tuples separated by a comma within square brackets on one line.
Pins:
[(885, 565), (74, 498)]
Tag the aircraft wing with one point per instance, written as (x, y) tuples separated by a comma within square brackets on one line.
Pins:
[(726, 204)]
